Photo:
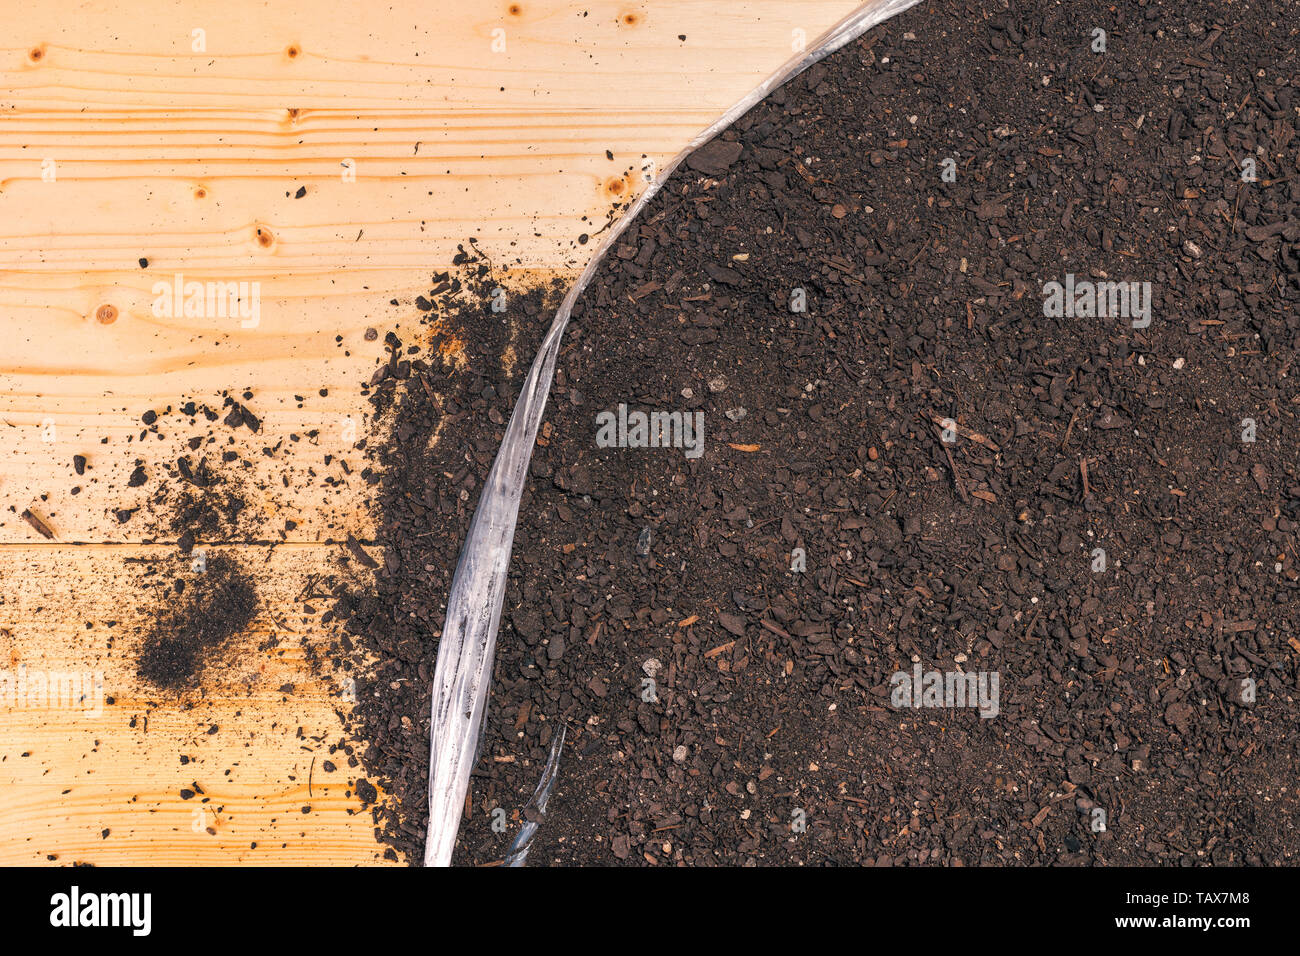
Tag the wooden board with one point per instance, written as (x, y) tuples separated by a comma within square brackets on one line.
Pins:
[(410, 129)]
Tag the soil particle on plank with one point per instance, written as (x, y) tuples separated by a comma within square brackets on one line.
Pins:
[(39, 523), (194, 623)]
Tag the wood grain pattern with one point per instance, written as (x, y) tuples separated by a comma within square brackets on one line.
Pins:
[(119, 141), (120, 759)]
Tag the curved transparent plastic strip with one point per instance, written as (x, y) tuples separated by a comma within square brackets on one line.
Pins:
[(523, 842), (465, 656)]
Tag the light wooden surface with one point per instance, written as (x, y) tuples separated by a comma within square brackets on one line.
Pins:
[(191, 160)]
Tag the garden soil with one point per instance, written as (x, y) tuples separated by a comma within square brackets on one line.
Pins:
[(911, 461)]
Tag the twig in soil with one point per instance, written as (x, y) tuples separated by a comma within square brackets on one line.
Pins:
[(969, 434), (360, 553), (1029, 631), (1024, 546), (956, 475), (1069, 428)]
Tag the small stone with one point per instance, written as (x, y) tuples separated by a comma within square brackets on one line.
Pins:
[(680, 753)]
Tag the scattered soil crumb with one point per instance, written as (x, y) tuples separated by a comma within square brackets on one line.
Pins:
[(215, 605)]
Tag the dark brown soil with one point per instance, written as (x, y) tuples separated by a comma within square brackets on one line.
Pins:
[(769, 735), (445, 416), (198, 500), (196, 616)]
